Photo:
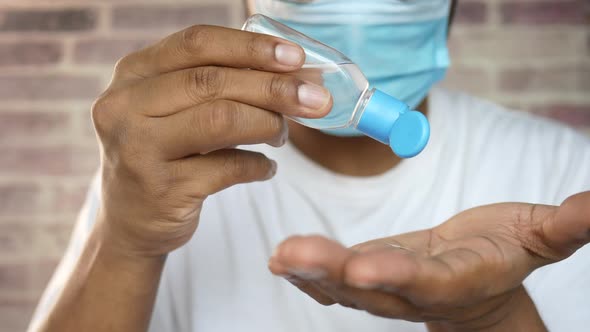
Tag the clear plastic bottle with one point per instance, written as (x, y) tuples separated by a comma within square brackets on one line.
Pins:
[(356, 105)]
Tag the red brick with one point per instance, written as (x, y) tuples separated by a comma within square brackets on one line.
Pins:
[(30, 53), (169, 16), (14, 277), (49, 87), (574, 115), (35, 161), (106, 51), (557, 79), (18, 199), (544, 12), (68, 199), (52, 239), (19, 126), (15, 241), (85, 160), (48, 20), (86, 126), (15, 314), (471, 79), (517, 106), (471, 13), (514, 45), (43, 269)]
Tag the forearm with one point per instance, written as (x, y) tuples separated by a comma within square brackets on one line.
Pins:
[(518, 314), (107, 291)]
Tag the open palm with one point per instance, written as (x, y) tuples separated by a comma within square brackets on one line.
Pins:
[(462, 272)]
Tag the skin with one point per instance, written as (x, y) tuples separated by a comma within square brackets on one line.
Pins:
[(167, 125), (463, 275), (355, 156)]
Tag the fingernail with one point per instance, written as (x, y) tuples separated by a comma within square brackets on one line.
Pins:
[(289, 55), (313, 96), (309, 274), (273, 169)]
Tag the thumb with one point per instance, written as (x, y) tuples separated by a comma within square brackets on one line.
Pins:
[(569, 230)]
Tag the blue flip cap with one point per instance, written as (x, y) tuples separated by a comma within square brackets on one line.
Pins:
[(391, 122)]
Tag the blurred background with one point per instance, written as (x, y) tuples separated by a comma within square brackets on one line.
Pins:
[(56, 56)]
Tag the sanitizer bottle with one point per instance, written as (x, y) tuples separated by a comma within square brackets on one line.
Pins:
[(356, 106)]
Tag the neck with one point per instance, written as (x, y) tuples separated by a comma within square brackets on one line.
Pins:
[(354, 156)]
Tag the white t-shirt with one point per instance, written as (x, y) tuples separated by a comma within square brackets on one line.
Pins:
[(479, 154)]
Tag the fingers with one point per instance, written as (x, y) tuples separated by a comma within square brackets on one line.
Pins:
[(452, 277), (383, 268), (311, 289), (205, 175), (212, 46), (278, 266), (318, 265), (376, 302), (174, 92), (216, 125), (308, 259), (568, 229), (312, 257)]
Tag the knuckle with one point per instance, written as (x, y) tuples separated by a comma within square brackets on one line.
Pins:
[(102, 112), (123, 65), (256, 46), (278, 87), (528, 232), (276, 125), (235, 165), (205, 83), (195, 38), (222, 118), (243, 167), (122, 136)]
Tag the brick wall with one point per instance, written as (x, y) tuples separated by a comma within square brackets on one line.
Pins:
[(531, 55), (57, 55)]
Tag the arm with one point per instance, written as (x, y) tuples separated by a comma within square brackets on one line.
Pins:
[(108, 290), (167, 125)]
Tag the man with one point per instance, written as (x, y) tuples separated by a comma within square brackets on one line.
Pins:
[(168, 125)]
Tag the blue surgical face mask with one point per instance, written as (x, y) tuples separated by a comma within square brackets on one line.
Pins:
[(401, 46)]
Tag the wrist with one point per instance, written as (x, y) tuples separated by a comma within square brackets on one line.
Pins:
[(130, 281), (118, 244), (516, 312)]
